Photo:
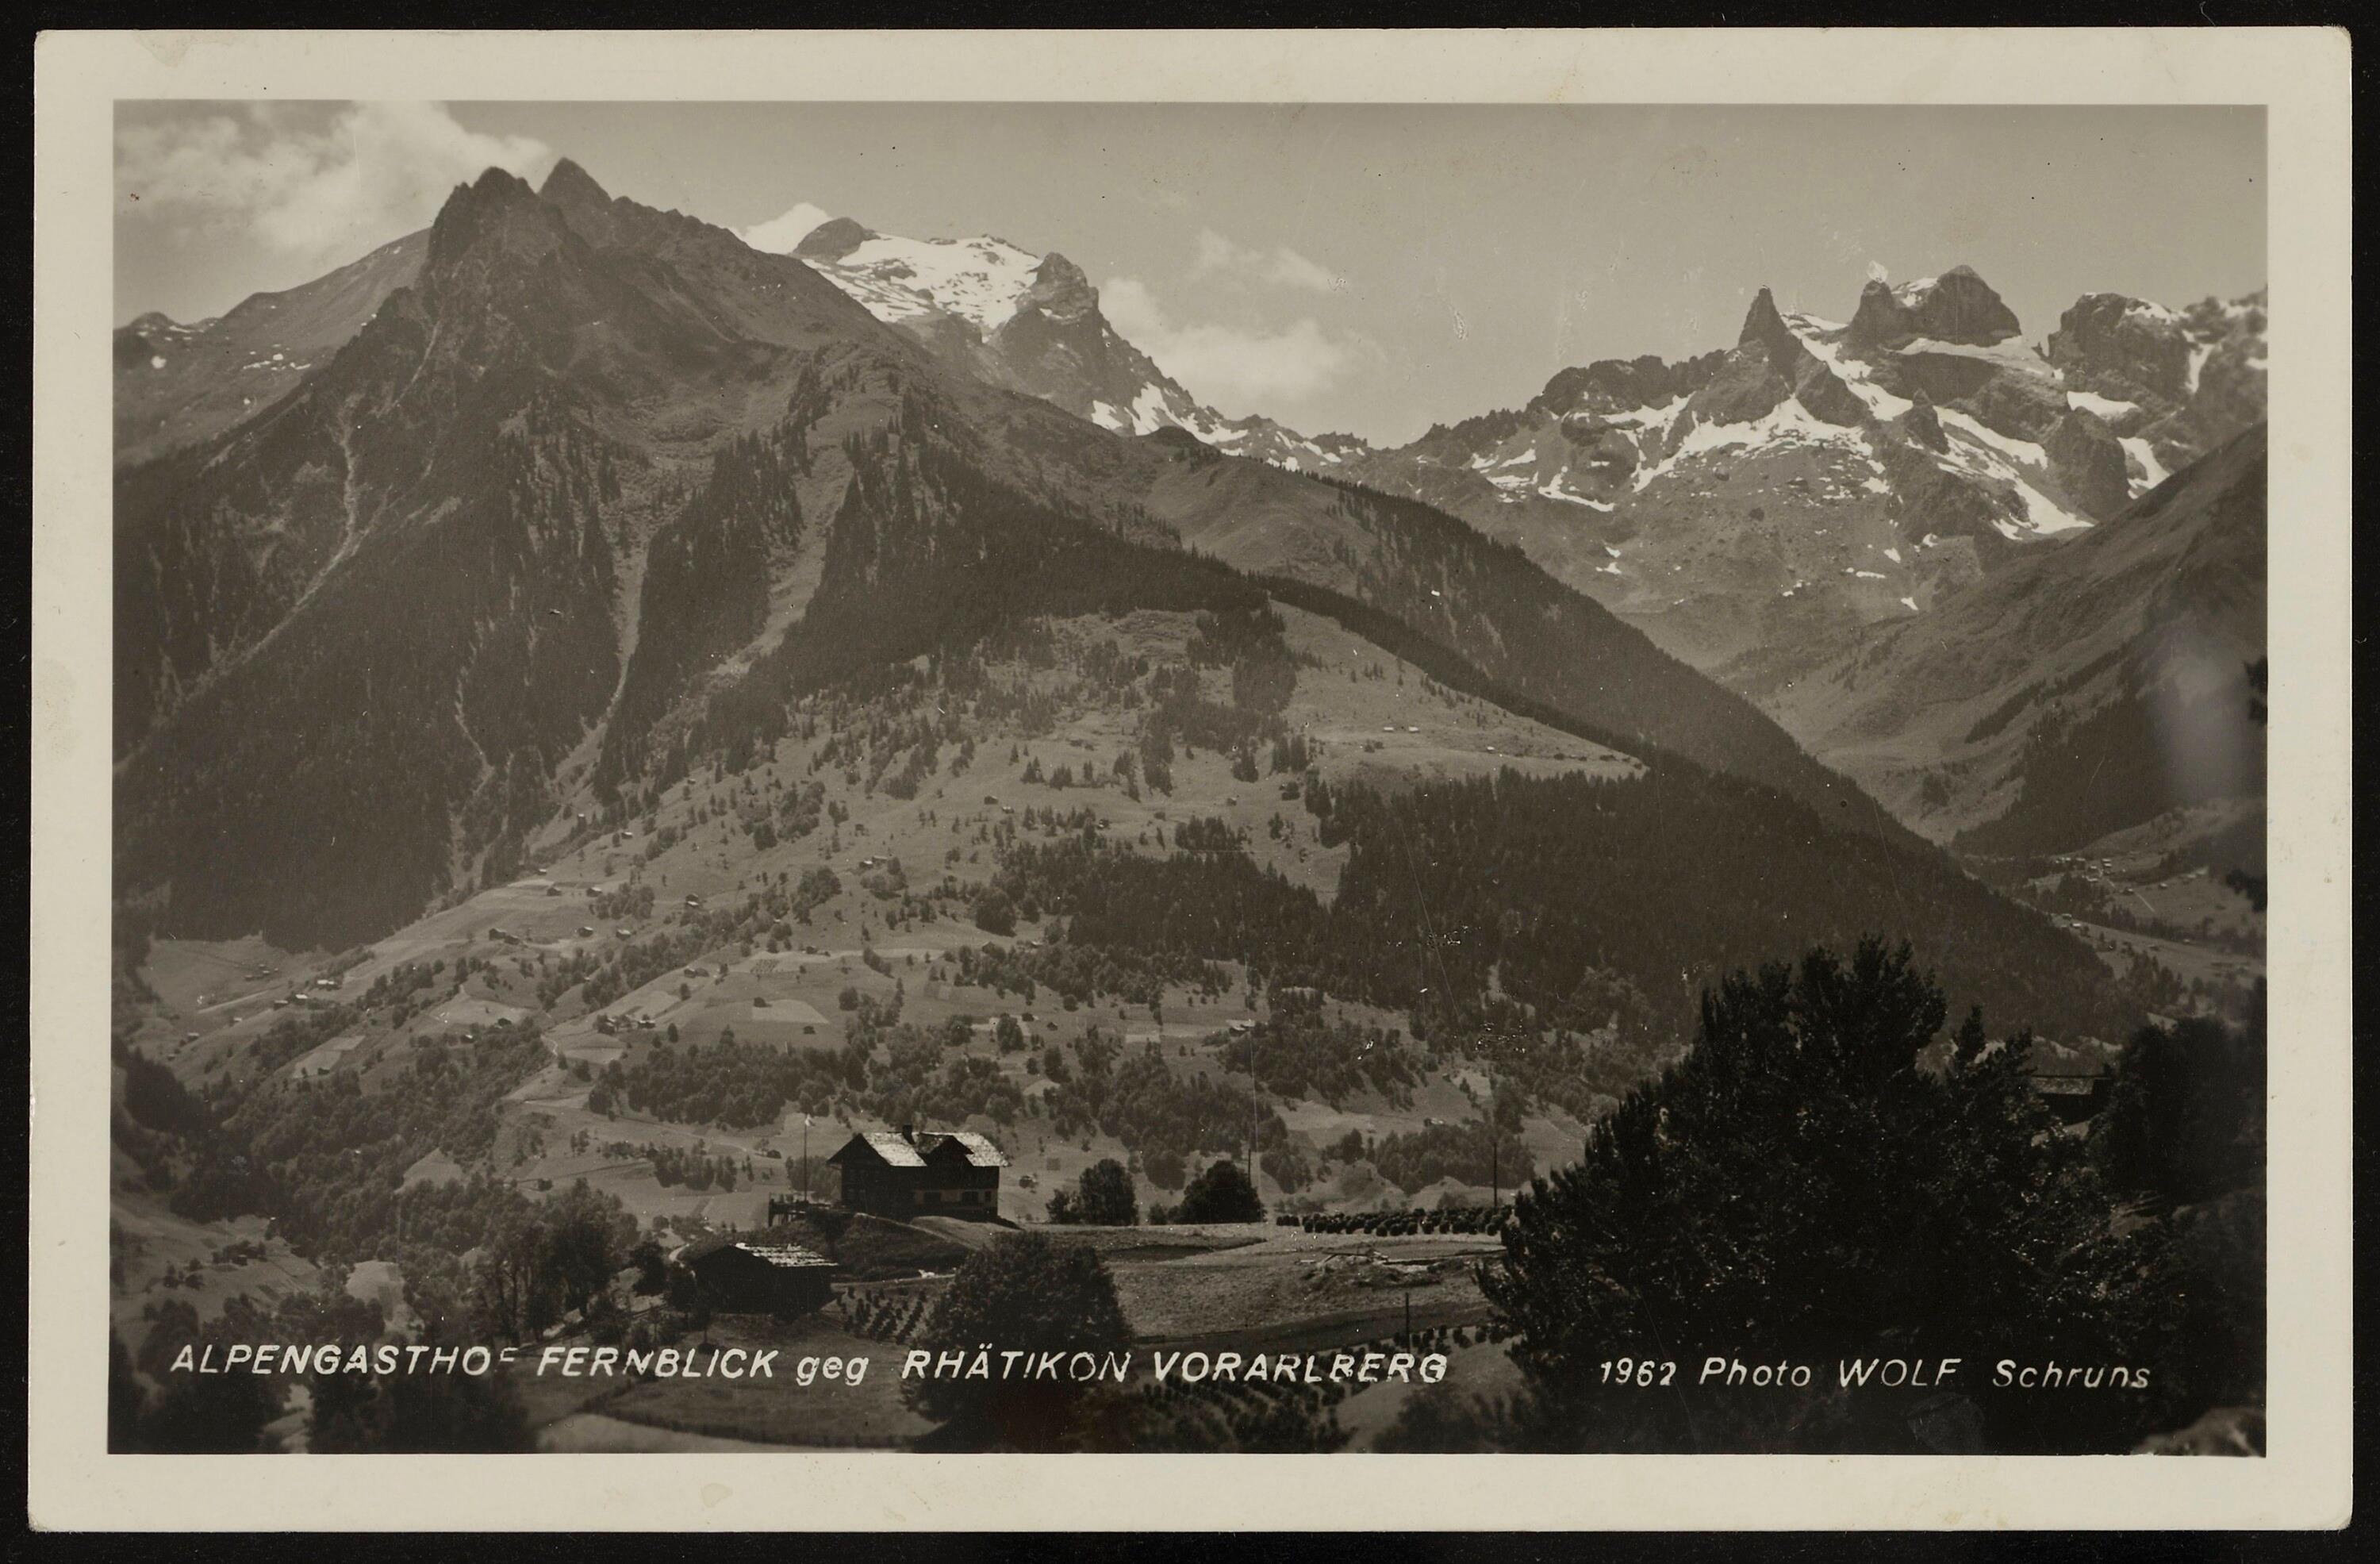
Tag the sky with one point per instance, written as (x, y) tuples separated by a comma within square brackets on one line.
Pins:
[(1371, 269)]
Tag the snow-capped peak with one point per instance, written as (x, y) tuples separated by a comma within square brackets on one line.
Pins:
[(981, 280), (1073, 358)]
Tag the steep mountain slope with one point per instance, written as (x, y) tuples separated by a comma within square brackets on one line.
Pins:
[(357, 636), (1487, 603), (2081, 690), (176, 384), (1033, 324)]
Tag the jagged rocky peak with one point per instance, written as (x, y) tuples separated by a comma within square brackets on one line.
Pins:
[(1921, 423), (1748, 385), (1958, 306), (2184, 380), (1761, 322), (832, 239), (1817, 387), (2246, 312), (2089, 461), (570, 185), (1060, 290), (1620, 385), (586, 205), (497, 205), (2115, 337)]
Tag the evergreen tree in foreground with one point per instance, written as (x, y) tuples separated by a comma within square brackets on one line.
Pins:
[(1801, 1189), (1027, 1294)]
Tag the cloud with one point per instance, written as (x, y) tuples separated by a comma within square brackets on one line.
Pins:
[(1240, 370), (1283, 266), (780, 234), (320, 192)]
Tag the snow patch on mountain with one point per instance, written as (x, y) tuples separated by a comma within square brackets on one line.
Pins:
[(1984, 451), (2107, 408), (1824, 340), (981, 280), (2199, 353), (1553, 488), (2144, 455), (1787, 423), (1661, 416), (2024, 452), (2045, 514), (1149, 412)]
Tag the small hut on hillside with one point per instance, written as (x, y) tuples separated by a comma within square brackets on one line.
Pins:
[(737, 1276)]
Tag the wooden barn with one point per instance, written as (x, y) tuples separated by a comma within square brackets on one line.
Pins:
[(904, 1173), (736, 1276)]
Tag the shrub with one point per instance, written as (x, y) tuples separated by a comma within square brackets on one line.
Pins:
[(994, 913), (1220, 1193)]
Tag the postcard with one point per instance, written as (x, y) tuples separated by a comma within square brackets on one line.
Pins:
[(880, 780)]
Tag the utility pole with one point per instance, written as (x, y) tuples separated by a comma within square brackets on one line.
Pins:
[(1495, 1161), (1255, 1116)]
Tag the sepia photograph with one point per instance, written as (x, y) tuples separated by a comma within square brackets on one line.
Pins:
[(1156, 778)]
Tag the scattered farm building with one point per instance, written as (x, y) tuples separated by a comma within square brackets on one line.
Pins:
[(904, 1173), (739, 1277)]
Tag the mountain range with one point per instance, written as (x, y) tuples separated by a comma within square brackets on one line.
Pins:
[(1742, 505), (1757, 510), (520, 518), (598, 489)]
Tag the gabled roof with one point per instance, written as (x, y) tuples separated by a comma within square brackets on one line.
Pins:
[(788, 1255), (889, 1147), (980, 1152)]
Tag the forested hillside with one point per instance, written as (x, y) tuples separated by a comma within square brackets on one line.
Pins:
[(1517, 903)]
